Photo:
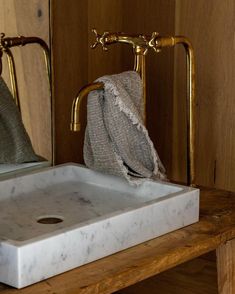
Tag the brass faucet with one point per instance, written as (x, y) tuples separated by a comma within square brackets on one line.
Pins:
[(141, 44), (140, 47)]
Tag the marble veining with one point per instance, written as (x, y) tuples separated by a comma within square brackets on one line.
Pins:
[(101, 214)]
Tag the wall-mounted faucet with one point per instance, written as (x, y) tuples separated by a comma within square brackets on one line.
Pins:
[(141, 44), (140, 47)]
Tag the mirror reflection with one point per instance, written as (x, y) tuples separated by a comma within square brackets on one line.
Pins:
[(26, 139)]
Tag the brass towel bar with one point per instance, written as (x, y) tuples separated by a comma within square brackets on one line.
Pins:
[(141, 44)]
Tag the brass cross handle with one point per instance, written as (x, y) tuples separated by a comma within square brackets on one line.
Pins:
[(153, 42), (100, 39)]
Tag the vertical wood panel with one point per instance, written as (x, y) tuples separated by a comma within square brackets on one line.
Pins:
[(147, 17), (116, 15), (31, 19), (198, 276), (226, 268), (210, 26), (104, 16), (69, 49)]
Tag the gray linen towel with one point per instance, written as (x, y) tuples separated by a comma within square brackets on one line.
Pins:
[(116, 141), (15, 145)]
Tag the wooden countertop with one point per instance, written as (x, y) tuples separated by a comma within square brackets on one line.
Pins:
[(216, 226)]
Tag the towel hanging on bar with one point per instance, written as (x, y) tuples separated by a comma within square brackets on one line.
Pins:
[(116, 140)]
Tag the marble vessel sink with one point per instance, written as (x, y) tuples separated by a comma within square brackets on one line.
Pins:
[(59, 218)]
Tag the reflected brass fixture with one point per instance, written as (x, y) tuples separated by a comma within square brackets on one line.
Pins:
[(141, 44), (12, 70), (6, 43)]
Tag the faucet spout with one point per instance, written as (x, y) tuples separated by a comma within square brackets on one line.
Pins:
[(75, 124)]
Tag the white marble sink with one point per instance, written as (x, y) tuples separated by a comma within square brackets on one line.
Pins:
[(99, 215)]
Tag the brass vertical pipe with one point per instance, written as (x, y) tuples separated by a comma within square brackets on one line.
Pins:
[(157, 43), (191, 109), (13, 78), (139, 66), (143, 76), (46, 54), (191, 117)]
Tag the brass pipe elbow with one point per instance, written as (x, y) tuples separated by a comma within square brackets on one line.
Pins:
[(75, 124)]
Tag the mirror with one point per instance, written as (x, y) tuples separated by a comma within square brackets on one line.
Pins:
[(25, 105)]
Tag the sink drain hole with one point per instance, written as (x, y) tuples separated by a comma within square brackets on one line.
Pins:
[(48, 220)]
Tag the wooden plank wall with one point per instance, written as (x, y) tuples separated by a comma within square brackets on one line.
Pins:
[(75, 64), (210, 26), (30, 18)]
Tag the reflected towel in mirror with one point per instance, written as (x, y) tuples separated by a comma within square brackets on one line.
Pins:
[(15, 144)]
